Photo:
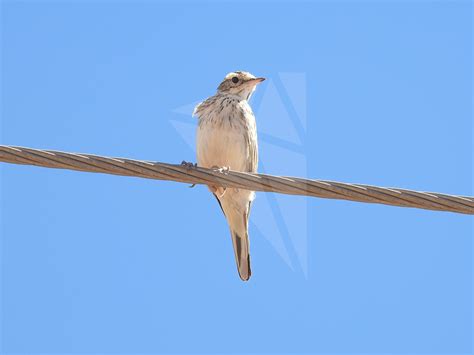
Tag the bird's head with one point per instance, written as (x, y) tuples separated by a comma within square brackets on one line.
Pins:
[(239, 83)]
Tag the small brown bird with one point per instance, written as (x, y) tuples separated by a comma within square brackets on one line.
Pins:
[(227, 139)]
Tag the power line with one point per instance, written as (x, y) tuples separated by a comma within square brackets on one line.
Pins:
[(256, 182)]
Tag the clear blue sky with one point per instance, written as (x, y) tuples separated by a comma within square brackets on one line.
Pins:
[(369, 92)]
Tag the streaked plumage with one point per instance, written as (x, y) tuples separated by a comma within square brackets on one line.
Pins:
[(227, 137)]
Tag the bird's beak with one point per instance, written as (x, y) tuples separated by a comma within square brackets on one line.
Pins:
[(254, 82)]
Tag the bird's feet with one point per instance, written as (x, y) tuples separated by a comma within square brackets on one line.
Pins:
[(223, 169), (189, 165), (220, 191)]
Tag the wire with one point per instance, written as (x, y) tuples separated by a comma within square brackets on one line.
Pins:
[(255, 182)]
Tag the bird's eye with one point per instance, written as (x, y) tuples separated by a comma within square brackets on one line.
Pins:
[(235, 80)]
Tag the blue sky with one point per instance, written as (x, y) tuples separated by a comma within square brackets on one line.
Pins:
[(369, 92)]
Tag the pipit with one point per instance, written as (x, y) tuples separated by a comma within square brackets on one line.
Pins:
[(227, 139)]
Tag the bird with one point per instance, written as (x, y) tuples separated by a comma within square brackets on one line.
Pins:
[(226, 139)]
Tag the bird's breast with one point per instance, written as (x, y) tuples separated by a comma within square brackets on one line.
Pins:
[(221, 146), (223, 138)]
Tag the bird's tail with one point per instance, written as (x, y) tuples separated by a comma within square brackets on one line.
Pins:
[(238, 223), (242, 254)]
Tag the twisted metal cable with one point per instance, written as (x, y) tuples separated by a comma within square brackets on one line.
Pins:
[(256, 182)]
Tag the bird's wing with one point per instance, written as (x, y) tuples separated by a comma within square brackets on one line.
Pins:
[(250, 133), (252, 164)]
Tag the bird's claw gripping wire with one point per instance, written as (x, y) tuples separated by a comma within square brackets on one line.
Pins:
[(223, 170), (189, 165)]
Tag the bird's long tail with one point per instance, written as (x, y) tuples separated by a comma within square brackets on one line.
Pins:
[(242, 254), (238, 223)]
